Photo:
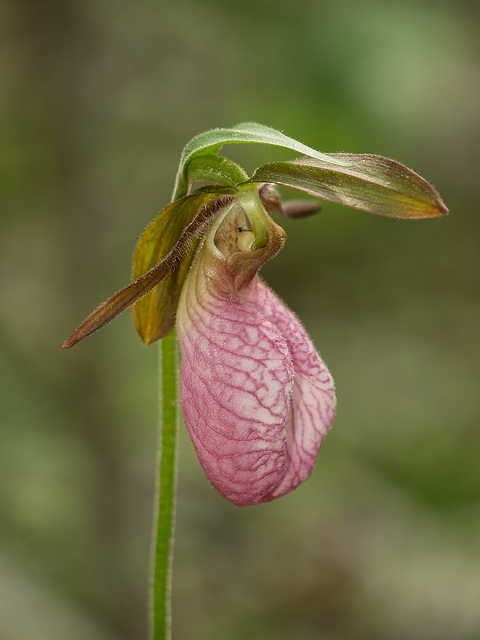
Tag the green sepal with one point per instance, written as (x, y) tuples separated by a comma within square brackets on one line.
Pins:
[(210, 143), (215, 169), (368, 182), (154, 313)]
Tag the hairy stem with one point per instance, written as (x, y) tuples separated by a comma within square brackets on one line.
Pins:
[(164, 517)]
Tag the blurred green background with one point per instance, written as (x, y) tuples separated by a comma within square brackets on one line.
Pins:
[(97, 100)]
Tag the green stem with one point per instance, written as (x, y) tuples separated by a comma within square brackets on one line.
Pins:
[(164, 517)]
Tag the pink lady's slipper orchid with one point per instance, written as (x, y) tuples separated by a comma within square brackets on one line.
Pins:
[(256, 397)]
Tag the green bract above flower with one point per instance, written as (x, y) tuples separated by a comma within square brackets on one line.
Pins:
[(167, 248)]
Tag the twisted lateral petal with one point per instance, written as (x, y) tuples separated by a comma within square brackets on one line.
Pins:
[(256, 398)]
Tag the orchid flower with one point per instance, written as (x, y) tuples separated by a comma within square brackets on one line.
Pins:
[(256, 397)]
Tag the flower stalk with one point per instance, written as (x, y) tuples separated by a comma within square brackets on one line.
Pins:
[(165, 490)]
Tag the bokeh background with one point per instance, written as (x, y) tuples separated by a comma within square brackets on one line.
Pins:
[(97, 100)]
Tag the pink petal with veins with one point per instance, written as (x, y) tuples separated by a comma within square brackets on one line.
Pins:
[(313, 401), (236, 382), (256, 397)]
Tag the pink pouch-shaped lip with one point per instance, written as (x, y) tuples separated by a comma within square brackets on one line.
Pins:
[(256, 397)]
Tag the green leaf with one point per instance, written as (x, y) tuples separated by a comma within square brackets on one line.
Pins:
[(368, 182), (210, 142)]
